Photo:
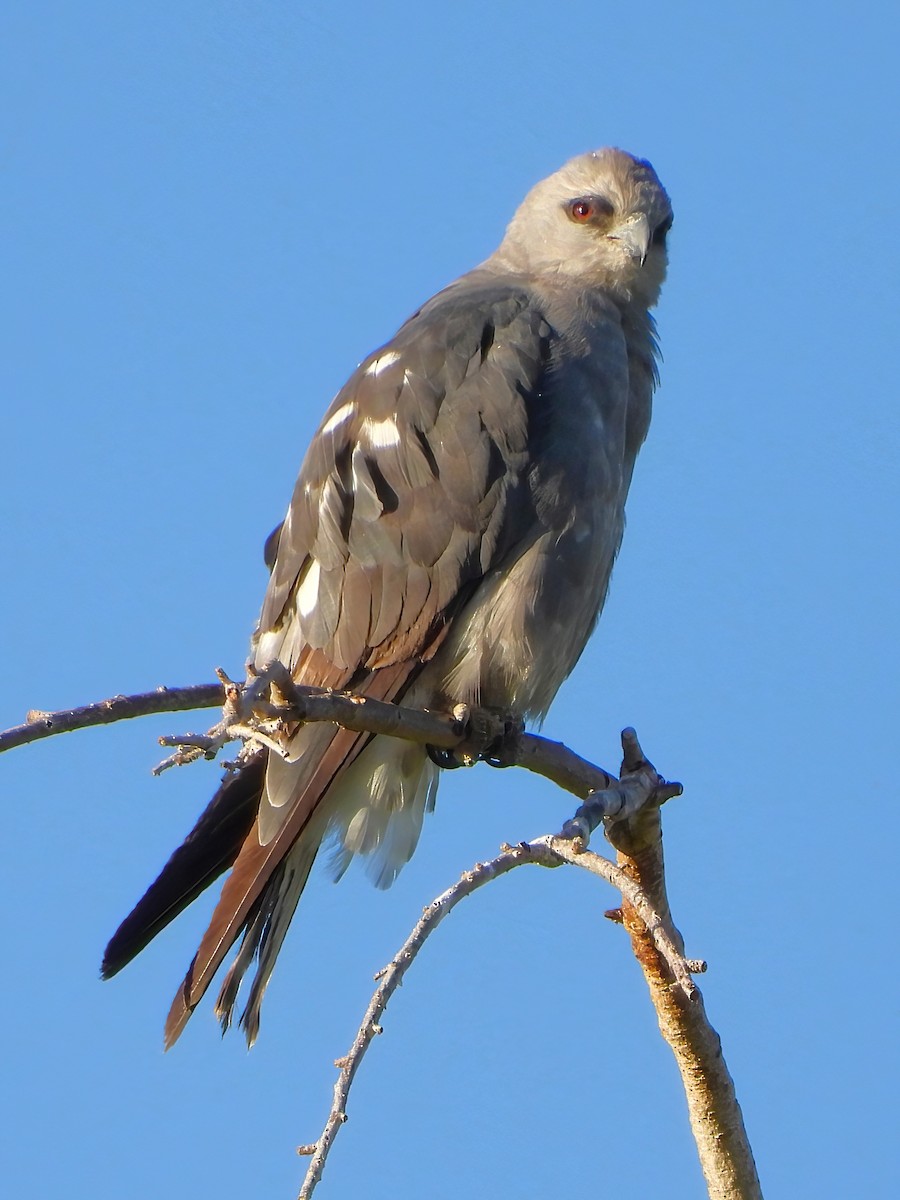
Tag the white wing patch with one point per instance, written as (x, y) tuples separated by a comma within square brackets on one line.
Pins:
[(382, 362), (343, 414), (308, 592), (380, 434)]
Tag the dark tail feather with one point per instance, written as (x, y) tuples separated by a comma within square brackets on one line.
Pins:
[(209, 849), (262, 890), (244, 893)]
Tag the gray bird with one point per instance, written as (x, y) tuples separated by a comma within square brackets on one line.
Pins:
[(450, 539)]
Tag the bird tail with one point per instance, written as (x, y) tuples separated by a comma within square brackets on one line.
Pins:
[(261, 893), (272, 865), (264, 934), (209, 849)]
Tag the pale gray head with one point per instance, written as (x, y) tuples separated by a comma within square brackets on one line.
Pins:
[(600, 221)]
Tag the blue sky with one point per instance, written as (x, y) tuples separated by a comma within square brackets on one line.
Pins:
[(211, 213)]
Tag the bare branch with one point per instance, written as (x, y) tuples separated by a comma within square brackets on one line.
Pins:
[(550, 759), (621, 800), (258, 712), (630, 809), (544, 852), (105, 712), (715, 1115), (191, 741), (564, 850)]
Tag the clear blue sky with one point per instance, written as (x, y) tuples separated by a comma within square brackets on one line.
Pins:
[(211, 213)]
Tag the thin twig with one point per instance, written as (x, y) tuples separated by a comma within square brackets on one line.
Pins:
[(571, 852), (40, 724), (191, 741), (545, 852)]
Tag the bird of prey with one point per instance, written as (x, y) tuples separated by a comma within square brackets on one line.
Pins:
[(450, 539)]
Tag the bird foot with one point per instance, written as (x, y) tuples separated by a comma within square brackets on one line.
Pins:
[(491, 736)]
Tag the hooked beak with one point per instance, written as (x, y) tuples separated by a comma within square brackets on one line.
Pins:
[(634, 234)]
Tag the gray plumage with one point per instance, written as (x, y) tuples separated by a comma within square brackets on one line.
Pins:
[(450, 538)]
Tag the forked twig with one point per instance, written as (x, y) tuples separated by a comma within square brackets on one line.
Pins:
[(545, 852)]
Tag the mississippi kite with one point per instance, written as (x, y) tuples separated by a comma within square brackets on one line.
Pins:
[(450, 539)]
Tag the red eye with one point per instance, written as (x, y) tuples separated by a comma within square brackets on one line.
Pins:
[(581, 210)]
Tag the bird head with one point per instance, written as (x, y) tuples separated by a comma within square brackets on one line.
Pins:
[(600, 221)]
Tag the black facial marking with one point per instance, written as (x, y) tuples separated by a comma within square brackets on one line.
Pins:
[(661, 232)]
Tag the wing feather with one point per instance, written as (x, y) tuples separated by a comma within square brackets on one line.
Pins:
[(410, 492)]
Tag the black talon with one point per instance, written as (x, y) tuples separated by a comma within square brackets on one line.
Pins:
[(445, 759)]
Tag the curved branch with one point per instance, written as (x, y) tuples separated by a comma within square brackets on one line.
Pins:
[(545, 852), (630, 808)]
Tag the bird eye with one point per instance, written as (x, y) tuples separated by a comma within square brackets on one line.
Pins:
[(589, 209)]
